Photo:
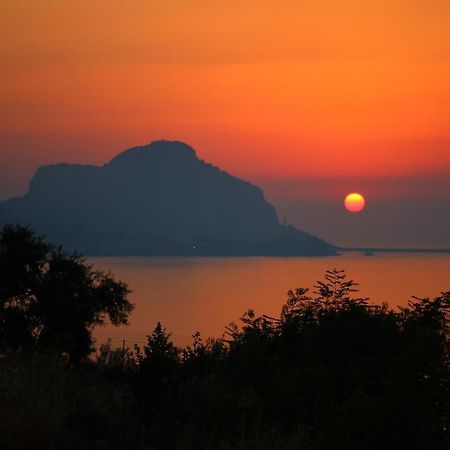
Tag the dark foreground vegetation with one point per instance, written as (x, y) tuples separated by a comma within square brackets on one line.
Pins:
[(332, 372)]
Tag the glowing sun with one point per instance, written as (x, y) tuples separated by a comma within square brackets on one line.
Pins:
[(354, 202)]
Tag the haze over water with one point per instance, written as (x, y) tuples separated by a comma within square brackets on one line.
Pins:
[(206, 294)]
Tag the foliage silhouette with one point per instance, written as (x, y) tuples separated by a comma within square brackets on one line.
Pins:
[(51, 299), (157, 364), (332, 371)]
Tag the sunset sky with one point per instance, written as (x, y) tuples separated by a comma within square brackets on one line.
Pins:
[(310, 99)]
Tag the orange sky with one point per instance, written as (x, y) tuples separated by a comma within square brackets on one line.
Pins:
[(268, 90), (258, 87)]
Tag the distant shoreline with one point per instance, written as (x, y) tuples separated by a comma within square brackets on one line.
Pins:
[(369, 251), (392, 250)]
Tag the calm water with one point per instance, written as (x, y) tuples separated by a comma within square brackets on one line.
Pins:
[(205, 294)]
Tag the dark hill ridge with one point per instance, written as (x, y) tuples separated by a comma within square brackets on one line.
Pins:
[(159, 199)]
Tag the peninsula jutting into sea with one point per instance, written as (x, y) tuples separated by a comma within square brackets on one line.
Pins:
[(158, 199)]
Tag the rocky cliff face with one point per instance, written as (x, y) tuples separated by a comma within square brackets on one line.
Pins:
[(159, 199)]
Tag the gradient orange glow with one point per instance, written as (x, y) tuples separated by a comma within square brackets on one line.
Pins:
[(354, 202), (312, 87)]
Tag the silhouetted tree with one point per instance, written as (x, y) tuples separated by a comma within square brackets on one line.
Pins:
[(52, 299), (157, 364)]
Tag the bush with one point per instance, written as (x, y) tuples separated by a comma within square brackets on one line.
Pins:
[(332, 371)]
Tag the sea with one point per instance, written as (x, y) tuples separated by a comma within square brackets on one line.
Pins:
[(206, 294)]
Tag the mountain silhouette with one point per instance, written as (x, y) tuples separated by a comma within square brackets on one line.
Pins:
[(158, 199)]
